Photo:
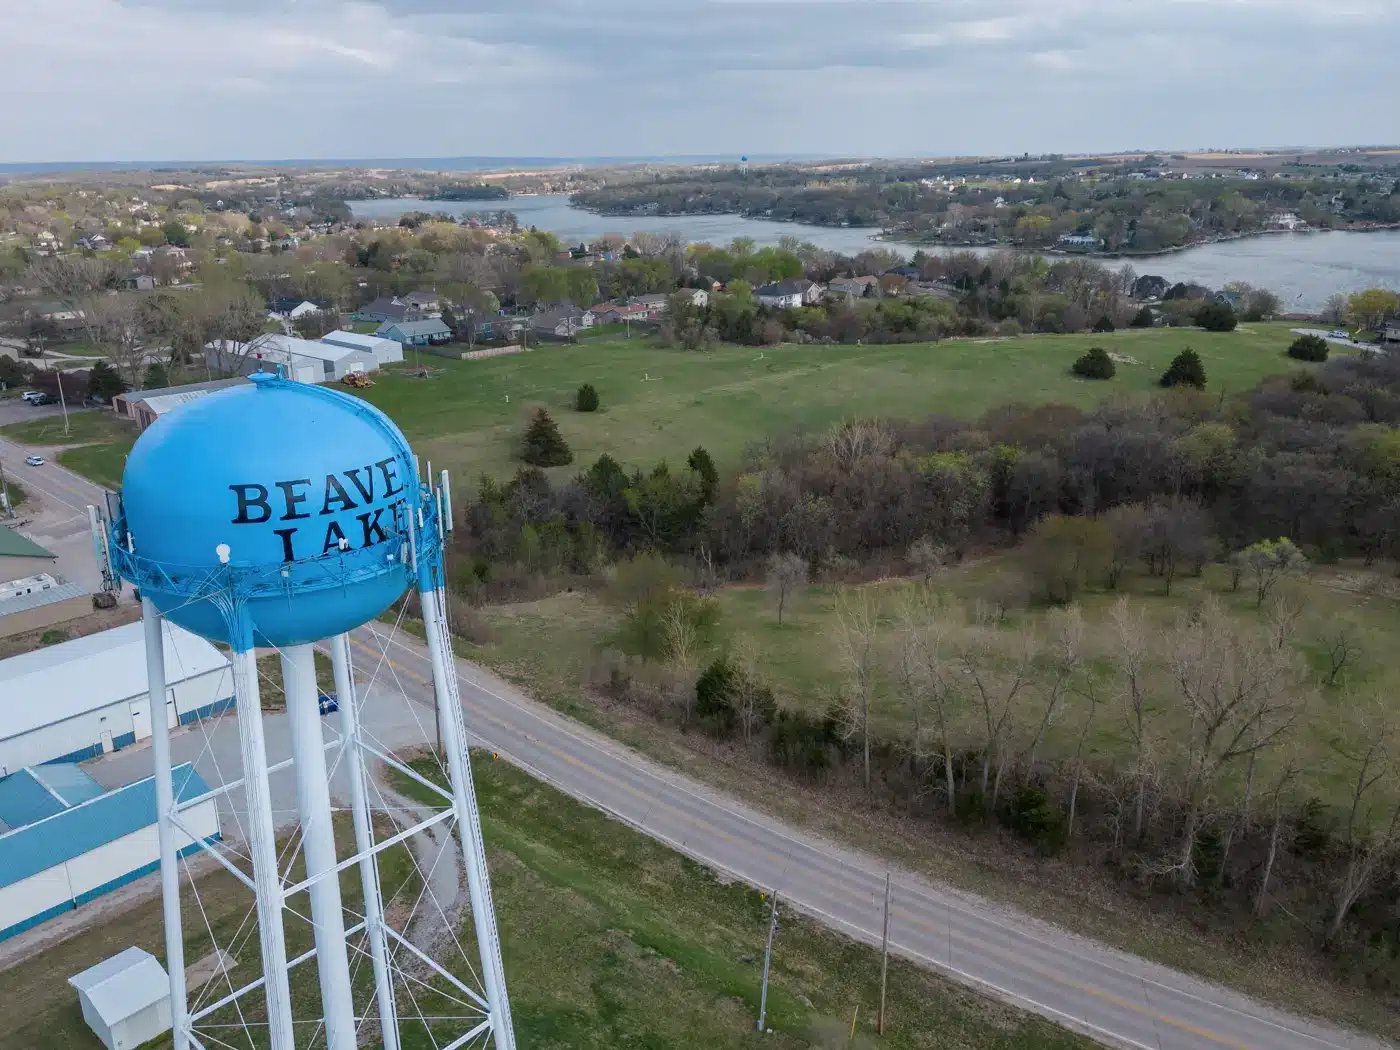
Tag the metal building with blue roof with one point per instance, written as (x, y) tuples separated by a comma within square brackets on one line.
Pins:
[(68, 841)]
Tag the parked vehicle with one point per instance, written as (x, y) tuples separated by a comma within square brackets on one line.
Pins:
[(43, 399), (328, 703), (34, 461), (31, 396), (1339, 333)]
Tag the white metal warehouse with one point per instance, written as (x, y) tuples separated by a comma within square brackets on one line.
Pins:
[(385, 351), (88, 696)]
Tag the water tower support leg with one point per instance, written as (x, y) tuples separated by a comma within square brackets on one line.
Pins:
[(364, 841), (454, 740), (318, 844), (165, 830), (262, 845)]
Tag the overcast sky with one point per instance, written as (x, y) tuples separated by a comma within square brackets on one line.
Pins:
[(264, 79)]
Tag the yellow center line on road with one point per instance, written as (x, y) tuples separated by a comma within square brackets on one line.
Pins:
[(1017, 961)]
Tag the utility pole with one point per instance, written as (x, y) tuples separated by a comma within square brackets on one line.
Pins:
[(884, 961), (62, 400), (5, 508), (767, 963)]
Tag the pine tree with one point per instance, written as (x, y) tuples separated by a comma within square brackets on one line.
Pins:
[(1104, 324), (1095, 364), (1185, 370), (704, 467), (104, 382), (1308, 348), (155, 377), (1144, 318), (587, 398), (544, 446)]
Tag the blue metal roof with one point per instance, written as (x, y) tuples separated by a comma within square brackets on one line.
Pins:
[(72, 832), (68, 781), (24, 799)]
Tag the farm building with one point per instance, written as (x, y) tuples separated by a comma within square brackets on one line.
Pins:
[(31, 596), (125, 999), (305, 360), (88, 696), (68, 842), (146, 406), (385, 351)]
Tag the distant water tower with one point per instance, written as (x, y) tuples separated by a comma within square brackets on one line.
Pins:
[(283, 515), (744, 166)]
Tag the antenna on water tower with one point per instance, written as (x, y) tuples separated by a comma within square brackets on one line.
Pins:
[(312, 528)]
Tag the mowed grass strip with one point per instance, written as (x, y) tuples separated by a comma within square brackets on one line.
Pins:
[(659, 403), (613, 940)]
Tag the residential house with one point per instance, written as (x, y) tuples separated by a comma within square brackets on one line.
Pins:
[(289, 308), (388, 309), (427, 302), (1234, 300), (385, 351), (909, 273), (789, 294), (139, 282), (94, 242), (617, 313), (1150, 287), (655, 304), (566, 320), (1080, 242), (853, 288), (1391, 332), (1287, 220), (427, 332)]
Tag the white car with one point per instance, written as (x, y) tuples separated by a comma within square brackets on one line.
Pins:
[(31, 396), (1339, 333), (34, 461)]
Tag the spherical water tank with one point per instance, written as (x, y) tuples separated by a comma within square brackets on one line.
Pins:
[(292, 497)]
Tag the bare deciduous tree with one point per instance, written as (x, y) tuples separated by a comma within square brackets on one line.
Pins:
[(1235, 689), (856, 632), (1370, 835), (926, 683), (998, 680), (786, 573), (1340, 643), (1132, 640), (113, 324), (1282, 788)]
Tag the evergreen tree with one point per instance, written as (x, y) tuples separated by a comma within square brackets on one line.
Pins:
[(587, 398), (1104, 324), (1143, 318), (1216, 317), (1095, 364), (104, 382), (1308, 348), (544, 446), (155, 377), (1185, 370), (704, 467)]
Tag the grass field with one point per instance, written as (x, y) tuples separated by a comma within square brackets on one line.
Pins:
[(610, 940), (660, 403), (553, 645)]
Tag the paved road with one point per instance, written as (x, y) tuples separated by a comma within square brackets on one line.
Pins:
[(1121, 1000), (1348, 342)]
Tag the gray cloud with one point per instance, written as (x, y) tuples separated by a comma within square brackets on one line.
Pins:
[(153, 79)]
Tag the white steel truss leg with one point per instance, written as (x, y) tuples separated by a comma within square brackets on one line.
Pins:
[(318, 844), (454, 740), (165, 828), (262, 845), (352, 760)]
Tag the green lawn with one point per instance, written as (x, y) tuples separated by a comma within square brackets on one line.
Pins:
[(96, 442), (660, 403)]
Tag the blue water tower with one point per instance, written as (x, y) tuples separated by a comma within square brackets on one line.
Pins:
[(273, 507)]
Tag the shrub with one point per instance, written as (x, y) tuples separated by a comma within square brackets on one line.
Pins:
[(1144, 318), (1096, 364), (714, 695), (587, 398), (1308, 348), (1062, 554), (1216, 317), (544, 446), (1104, 324), (1185, 370)]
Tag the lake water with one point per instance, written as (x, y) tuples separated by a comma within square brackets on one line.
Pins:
[(1303, 269)]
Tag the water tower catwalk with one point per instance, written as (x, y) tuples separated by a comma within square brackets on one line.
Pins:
[(282, 517)]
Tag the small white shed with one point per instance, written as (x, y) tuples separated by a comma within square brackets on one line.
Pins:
[(125, 999)]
